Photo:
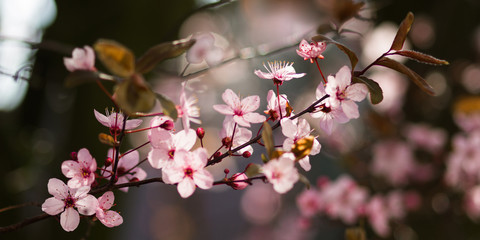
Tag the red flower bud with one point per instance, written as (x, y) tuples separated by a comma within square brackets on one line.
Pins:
[(200, 133), (108, 161), (246, 154), (73, 156)]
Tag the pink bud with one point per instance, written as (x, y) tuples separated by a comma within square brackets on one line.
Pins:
[(226, 171), (200, 133), (73, 156), (167, 125), (134, 179), (217, 154), (227, 141), (238, 185), (108, 161), (246, 154)]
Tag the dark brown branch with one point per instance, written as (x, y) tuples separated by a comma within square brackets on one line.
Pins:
[(24, 223)]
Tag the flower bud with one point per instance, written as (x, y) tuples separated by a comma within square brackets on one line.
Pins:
[(238, 177), (227, 142), (108, 161), (134, 179), (73, 156), (246, 154), (217, 154), (200, 133), (226, 171), (168, 125)]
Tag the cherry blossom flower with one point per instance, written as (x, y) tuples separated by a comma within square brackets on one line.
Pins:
[(281, 172), (378, 216), (108, 217), (343, 93), (343, 199), (126, 170), (295, 130), (187, 110), (160, 130), (311, 50), (163, 152), (394, 161), (467, 121), (64, 201), (279, 72), (241, 110), (426, 137), (82, 171), (82, 59), (327, 113), (204, 49), (463, 163), (114, 121), (188, 172), (241, 136), (272, 105), (309, 202), (238, 177)]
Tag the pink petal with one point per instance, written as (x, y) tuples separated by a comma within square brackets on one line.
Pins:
[(139, 173), (203, 179), (198, 159), (69, 64), (315, 148), (288, 144), (343, 77), (350, 109), (129, 160), (90, 57), (305, 163), (223, 109), (159, 137), (250, 103), (53, 206), (241, 121), (263, 75), (289, 128), (80, 192), (356, 92), (172, 175), (57, 188), (303, 128), (106, 200), (254, 117), (133, 123), (86, 160), (111, 219), (87, 205), (231, 99), (158, 158), (186, 187), (104, 120), (69, 219), (185, 139), (71, 168)]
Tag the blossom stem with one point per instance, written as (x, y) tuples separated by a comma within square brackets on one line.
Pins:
[(278, 100), (104, 90), (19, 206), (226, 181), (134, 149), (138, 164), (184, 70), (139, 114), (321, 73), (233, 135), (117, 151), (373, 63)]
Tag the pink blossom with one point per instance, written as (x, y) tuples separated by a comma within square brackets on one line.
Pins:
[(309, 202), (463, 163), (426, 137), (64, 201), (472, 203), (241, 136), (279, 72), (343, 93), (394, 161), (81, 172), (395, 202), (327, 113), (241, 110), (204, 49), (295, 130), (378, 216), (467, 121), (108, 217), (160, 130), (126, 168), (188, 172), (272, 105), (114, 121), (343, 199), (281, 172), (238, 177), (163, 152), (82, 59), (311, 50), (187, 110)]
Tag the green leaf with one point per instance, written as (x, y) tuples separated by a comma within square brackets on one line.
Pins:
[(417, 79), (117, 58), (267, 137), (376, 93), (80, 77), (134, 95), (351, 55), (402, 32), (264, 158), (421, 57), (169, 107), (252, 170), (161, 52)]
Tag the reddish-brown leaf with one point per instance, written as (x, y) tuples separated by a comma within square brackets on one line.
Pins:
[(402, 32), (421, 57), (350, 54)]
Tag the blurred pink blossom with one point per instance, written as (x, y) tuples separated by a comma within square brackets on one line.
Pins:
[(82, 59), (204, 49), (426, 137), (394, 161), (378, 216), (467, 121), (309, 202), (187, 110), (463, 163)]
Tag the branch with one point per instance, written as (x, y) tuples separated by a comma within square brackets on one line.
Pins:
[(24, 223)]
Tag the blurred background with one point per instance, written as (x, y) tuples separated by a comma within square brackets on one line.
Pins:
[(42, 121)]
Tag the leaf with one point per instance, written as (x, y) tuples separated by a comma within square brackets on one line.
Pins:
[(324, 28), (168, 106), (355, 233), (304, 180), (421, 57), (302, 147), (107, 139), (134, 95), (351, 55), (376, 93), (80, 77), (252, 170), (417, 79), (118, 59), (467, 105), (402, 32), (161, 52), (346, 9), (267, 137)]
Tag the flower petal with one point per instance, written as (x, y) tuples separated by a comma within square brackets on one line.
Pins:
[(111, 219), (231, 99), (104, 120), (53, 206), (223, 109), (71, 168), (289, 128), (186, 187), (87, 205), (106, 200), (250, 104), (203, 179), (69, 219), (57, 188)]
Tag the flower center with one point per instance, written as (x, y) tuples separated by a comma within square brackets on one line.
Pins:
[(276, 175), (69, 201), (189, 172), (171, 153), (85, 172)]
